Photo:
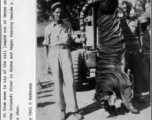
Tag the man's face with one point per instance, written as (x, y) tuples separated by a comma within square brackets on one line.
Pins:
[(124, 8), (58, 13)]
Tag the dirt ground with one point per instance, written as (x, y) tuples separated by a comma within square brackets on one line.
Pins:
[(46, 107)]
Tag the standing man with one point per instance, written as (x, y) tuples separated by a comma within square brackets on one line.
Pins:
[(145, 43), (58, 36), (131, 33)]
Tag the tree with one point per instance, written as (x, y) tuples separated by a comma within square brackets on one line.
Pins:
[(72, 8), (141, 5)]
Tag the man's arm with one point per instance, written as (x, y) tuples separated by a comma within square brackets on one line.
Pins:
[(46, 43), (75, 37), (141, 43), (46, 50), (139, 37)]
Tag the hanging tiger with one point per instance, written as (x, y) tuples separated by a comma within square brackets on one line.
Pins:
[(111, 80)]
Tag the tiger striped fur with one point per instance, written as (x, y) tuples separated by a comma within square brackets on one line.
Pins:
[(110, 77)]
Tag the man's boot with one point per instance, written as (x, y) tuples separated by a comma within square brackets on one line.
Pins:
[(78, 116)]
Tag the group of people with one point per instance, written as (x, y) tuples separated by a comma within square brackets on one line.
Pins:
[(58, 36), (136, 33)]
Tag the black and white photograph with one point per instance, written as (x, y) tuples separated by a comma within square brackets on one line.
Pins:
[(76, 60), (93, 60)]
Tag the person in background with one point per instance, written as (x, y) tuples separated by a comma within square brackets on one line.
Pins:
[(131, 34), (89, 19), (58, 36), (145, 44)]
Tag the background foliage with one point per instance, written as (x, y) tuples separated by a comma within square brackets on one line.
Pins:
[(72, 9)]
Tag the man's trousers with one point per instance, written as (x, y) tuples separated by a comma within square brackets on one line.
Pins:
[(134, 63), (146, 66), (62, 70)]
